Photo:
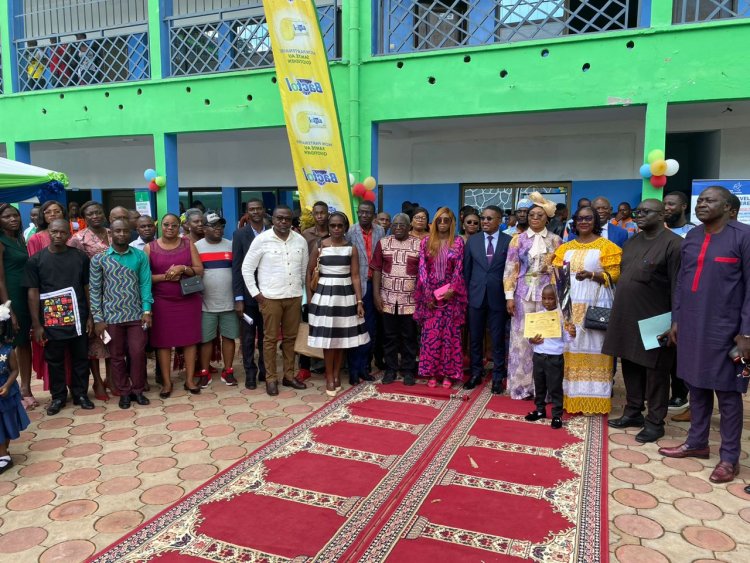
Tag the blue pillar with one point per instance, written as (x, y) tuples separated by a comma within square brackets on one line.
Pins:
[(644, 14), (165, 159), (138, 57), (229, 206), (97, 194), (20, 152)]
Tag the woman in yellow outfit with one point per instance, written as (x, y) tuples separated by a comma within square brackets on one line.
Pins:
[(594, 265)]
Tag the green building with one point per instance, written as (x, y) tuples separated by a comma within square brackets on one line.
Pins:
[(446, 102)]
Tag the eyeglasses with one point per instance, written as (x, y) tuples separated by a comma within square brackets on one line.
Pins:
[(486, 218), (471, 222), (585, 219), (643, 212), (445, 220)]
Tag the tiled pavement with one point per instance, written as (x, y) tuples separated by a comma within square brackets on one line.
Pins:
[(83, 479)]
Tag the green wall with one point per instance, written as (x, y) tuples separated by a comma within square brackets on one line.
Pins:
[(663, 65)]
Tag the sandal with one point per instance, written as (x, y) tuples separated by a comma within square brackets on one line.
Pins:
[(29, 403), (5, 463), (447, 383), (432, 382)]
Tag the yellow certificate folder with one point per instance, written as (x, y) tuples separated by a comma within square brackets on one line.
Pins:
[(546, 323)]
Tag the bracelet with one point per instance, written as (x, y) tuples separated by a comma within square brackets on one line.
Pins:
[(360, 301)]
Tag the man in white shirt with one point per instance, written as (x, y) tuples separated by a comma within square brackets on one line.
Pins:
[(146, 232), (279, 256)]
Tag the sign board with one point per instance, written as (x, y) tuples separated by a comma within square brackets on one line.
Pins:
[(143, 202)]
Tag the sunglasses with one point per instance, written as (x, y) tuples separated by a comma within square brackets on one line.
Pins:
[(486, 218), (445, 220), (643, 212), (471, 222)]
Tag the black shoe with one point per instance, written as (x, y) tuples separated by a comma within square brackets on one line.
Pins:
[(250, 383), (533, 416), (498, 387), (293, 383), (140, 398), (262, 378), (194, 390), (556, 422), (474, 380), (627, 422), (747, 490), (366, 377), (124, 401), (650, 433), (84, 402), (55, 406), (353, 379), (677, 402), (389, 377), (272, 388), (409, 379)]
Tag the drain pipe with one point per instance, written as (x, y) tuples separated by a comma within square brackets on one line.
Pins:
[(354, 62)]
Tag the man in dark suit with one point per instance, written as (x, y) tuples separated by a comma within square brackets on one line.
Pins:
[(484, 264), (243, 302)]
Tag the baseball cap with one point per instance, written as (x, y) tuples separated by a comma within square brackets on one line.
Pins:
[(212, 219)]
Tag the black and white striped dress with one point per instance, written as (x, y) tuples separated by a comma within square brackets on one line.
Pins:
[(332, 312)]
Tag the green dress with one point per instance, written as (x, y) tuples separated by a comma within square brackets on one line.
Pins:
[(14, 262)]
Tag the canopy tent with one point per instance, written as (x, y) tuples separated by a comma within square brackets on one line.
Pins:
[(21, 182)]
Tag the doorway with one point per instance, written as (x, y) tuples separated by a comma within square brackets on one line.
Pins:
[(698, 154)]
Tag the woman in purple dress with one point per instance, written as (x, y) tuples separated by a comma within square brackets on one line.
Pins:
[(441, 317), (177, 317)]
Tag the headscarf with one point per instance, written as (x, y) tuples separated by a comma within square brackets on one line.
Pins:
[(524, 203)]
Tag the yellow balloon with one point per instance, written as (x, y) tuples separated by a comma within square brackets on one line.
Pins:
[(654, 155), (658, 167), (370, 183)]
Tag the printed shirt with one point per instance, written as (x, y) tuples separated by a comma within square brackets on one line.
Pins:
[(398, 262), (682, 231), (87, 241), (120, 286), (217, 275), (628, 225), (281, 265)]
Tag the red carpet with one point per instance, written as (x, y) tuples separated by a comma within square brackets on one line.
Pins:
[(398, 473)]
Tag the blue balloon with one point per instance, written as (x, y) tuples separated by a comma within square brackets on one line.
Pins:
[(646, 171), (149, 174)]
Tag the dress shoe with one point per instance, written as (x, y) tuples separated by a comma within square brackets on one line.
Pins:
[(55, 406), (389, 377), (272, 388), (498, 387), (474, 380), (627, 422), (409, 379), (650, 433), (353, 379), (682, 417), (533, 416), (84, 402), (366, 377), (556, 422), (194, 390), (683, 450), (140, 398), (747, 490), (124, 402), (724, 472), (262, 378), (250, 383), (293, 383)]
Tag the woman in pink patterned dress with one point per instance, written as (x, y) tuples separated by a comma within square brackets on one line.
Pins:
[(441, 319)]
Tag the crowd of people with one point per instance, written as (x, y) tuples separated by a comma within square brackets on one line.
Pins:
[(443, 298)]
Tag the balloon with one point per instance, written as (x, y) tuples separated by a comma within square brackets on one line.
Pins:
[(658, 181), (370, 183), (369, 196), (658, 167), (359, 190), (672, 167), (160, 181), (153, 186), (654, 155), (646, 171), (149, 174), (352, 179)]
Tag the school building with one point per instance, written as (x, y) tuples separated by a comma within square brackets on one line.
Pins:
[(445, 102)]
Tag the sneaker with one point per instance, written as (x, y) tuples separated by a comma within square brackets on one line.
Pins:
[(677, 403), (203, 378), (303, 375), (227, 376)]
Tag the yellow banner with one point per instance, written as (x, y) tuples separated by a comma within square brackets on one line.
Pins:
[(312, 121)]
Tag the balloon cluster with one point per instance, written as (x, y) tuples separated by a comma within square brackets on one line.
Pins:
[(364, 189), (657, 168), (155, 182)]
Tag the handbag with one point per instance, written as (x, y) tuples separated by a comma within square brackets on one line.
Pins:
[(302, 347), (440, 292), (316, 273), (191, 285), (597, 318)]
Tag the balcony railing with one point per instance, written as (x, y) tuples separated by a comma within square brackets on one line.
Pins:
[(81, 42), (692, 11), (234, 37), (409, 25)]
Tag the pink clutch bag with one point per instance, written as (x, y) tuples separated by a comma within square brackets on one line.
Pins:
[(440, 292)]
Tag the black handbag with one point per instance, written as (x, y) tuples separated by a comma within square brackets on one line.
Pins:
[(597, 318), (191, 285)]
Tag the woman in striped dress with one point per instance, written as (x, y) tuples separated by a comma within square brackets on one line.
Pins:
[(335, 310)]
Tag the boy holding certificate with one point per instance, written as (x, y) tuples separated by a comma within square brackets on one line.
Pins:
[(549, 364)]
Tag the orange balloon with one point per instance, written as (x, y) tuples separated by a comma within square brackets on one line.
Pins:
[(659, 167)]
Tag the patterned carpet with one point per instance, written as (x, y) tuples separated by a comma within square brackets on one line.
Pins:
[(397, 473)]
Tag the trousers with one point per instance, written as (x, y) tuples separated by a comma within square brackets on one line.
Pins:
[(645, 384), (249, 333), (548, 372), (280, 316), (730, 421), (400, 338), (128, 356), (54, 355), (359, 357)]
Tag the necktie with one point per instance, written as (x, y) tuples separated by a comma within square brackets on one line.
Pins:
[(490, 249)]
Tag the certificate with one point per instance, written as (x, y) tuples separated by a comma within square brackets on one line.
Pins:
[(546, 324)]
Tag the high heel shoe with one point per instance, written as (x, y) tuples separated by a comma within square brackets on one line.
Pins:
[(337, 384), (193, 390), (165, 394)]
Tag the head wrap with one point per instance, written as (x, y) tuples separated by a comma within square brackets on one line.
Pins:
[(524, 203), (539, 200)]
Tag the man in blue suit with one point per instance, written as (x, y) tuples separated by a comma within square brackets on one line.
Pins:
[(612, 233), (484, 264)]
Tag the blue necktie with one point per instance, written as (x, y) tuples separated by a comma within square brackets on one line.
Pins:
[(490, 250)]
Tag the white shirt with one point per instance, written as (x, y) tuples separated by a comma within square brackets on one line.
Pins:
[(495, 237), (138, 243), (281, 265)]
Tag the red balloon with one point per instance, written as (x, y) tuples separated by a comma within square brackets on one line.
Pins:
[(658, 181), (153, 186), (369, 196), (359, 190)]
